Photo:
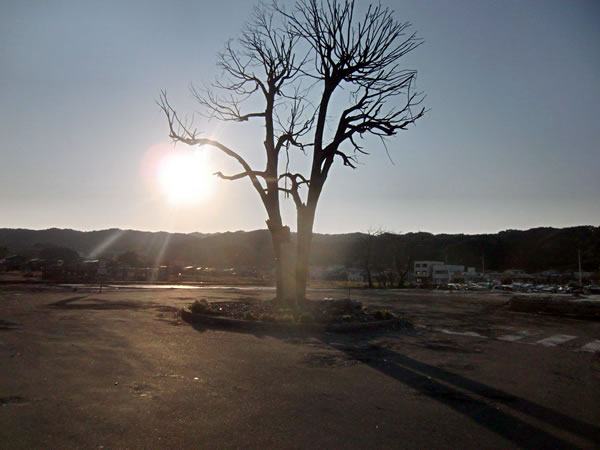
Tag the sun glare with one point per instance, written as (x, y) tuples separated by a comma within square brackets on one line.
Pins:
[(185, 178)]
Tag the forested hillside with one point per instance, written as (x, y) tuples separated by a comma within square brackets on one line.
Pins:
[(532, 250)]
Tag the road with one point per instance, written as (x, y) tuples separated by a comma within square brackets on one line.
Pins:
[(119, 370)]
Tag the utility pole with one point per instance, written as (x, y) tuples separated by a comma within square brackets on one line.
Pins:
[(579, 260)]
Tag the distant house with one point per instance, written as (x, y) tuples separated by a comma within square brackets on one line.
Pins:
[(356, 275), (14, 262), (336, 272), (89, 267), (34, 265)]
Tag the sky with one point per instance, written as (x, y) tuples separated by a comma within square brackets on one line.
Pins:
[(511, 139)]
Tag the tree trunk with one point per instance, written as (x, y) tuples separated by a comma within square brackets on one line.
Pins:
[(399, 270), (368, 263), (369, 278), (282, 249), (306, 218), (278, 272), (402, 269)]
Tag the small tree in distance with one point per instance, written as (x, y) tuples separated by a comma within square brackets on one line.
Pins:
[(368, 244), (296, 62)]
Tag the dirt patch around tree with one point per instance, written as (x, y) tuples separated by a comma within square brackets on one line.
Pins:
[(342, 315)]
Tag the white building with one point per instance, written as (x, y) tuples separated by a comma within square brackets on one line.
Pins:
[(444, 273), (438, 272), (424, 269)]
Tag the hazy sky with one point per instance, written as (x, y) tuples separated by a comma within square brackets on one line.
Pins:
[(511, 140)]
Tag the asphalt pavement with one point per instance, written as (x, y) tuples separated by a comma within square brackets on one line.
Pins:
[(80, 369)]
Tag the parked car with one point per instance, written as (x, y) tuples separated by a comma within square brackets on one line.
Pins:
[(592, 289)]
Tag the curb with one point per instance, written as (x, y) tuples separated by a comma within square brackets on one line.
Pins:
[(227, 322)]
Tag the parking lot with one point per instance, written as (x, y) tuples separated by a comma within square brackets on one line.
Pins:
[(118, 369)]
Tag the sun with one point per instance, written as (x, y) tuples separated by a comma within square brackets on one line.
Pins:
[(184, 177)]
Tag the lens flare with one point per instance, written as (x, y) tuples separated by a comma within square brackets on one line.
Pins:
[(184, 177)]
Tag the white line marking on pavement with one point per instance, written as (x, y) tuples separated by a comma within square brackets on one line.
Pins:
[(593, 347), (460, 333), (553, 341), (518, 336)]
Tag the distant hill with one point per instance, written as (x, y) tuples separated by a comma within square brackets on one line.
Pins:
[(531, 250)]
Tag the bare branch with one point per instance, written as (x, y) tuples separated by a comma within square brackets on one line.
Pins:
[(295, 196), (181, 132), (281, 59), (297, 180), (363, 54), (294, 177), (239, 175)]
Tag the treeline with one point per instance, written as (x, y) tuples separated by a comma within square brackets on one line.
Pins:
[(533, 250)]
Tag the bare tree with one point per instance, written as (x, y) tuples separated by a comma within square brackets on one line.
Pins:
[(359, 54), (261, 63), (340, 51), (368, 248), (402, 256)]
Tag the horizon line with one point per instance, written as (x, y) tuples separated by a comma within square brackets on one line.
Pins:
[(383, 230)]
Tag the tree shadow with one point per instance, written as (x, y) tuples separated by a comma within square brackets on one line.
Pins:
[(445, 387), (261, 333), (433, 382)]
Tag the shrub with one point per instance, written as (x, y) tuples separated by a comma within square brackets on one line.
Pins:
[(379, 314), (249, 316), (267, 317), (343, 306), (201, 307)]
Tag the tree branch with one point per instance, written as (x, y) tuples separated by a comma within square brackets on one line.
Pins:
[(361, 53), (297, 180), (180, 131), (295, 196), (237, 176)]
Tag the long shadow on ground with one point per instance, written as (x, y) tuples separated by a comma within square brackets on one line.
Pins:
[(464, 395), (433, 382)]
